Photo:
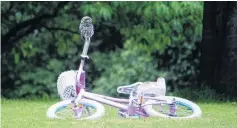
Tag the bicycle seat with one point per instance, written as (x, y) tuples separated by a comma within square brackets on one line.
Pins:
[(147, 88), (151, 89), (127, 89)]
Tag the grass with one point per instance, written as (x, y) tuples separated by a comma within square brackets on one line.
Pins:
[(32, 114)]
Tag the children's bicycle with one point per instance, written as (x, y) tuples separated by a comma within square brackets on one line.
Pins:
[(145, 98)]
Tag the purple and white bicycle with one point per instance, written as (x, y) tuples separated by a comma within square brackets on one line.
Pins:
[(145, 98)]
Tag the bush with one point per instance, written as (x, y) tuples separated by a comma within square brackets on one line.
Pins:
[(132, 43), (160, 39)]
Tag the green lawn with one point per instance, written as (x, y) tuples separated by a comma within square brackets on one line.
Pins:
[(32, 114)]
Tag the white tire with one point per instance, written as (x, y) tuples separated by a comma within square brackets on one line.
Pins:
[(99, 109), (196, 111)]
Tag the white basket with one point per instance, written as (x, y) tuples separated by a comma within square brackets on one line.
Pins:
[(66, 85)]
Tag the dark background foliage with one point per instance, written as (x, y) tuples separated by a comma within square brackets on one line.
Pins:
[(132, 43)]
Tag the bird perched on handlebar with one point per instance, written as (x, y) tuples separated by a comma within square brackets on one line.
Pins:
[(86, 27)]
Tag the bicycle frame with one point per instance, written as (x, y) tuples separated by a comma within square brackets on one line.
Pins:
[(114, 102), (142, 95), (111, 101), (81, 93)]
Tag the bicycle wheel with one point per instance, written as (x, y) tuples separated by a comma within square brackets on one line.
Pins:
[(185, 109), (63, 110)]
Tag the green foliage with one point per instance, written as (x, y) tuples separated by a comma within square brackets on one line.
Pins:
[(121, 68), (132, 43), (160, 40)]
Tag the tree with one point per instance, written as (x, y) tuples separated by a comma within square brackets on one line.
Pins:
[(219, 47)]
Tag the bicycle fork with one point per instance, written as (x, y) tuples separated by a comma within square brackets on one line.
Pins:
[(172, 111)]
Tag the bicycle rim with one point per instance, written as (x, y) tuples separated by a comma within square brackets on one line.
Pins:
[(185, 109), (64, 110)]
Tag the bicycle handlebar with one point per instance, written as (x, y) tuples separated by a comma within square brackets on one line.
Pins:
[(86, 30)]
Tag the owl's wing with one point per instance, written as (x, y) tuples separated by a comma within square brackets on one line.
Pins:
[(80, 27), (81, 30), (92, 30)]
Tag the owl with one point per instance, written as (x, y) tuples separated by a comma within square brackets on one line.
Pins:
[(86, 27)]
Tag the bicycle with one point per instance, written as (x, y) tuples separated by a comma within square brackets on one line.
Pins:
[(145, 98)]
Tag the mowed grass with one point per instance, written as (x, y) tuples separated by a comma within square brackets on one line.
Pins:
[(32, 114)]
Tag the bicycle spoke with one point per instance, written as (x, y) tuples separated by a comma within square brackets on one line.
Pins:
[(181, 111), (87, 111), (67, 112)]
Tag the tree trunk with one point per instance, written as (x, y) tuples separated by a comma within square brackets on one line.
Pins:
[(219, 47)]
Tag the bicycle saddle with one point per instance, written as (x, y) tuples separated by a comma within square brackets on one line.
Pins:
[(148, 88), (127, 89)]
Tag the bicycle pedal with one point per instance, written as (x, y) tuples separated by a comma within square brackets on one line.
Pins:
[(173, 115), (122, 114), (126, 115)]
